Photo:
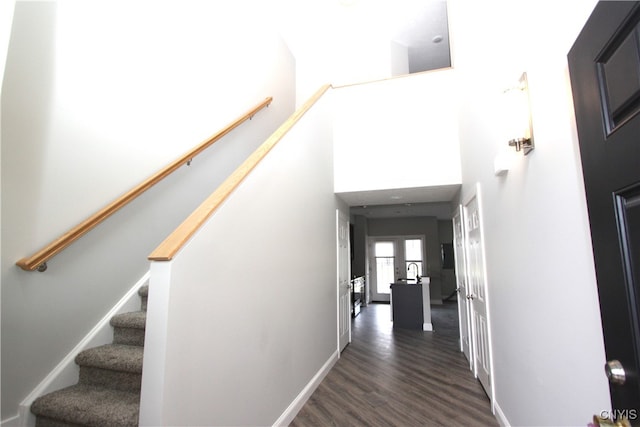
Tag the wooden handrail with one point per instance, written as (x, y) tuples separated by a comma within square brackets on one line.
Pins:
[(38, 260), (176, 240)]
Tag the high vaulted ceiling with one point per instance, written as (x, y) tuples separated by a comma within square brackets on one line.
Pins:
[(340, 29), (356, 33)]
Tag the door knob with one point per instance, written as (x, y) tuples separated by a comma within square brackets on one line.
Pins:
[(470, 296), (615, 372), (600, 421)]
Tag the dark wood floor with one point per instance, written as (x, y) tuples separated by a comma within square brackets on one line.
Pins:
[(395, 377)]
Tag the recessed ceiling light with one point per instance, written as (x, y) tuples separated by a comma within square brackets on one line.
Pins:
[(396, 197), (437, 39)]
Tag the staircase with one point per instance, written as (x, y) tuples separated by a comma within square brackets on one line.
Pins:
[(108, 391)]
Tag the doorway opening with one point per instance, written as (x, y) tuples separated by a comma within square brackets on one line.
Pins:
[(394, 259)]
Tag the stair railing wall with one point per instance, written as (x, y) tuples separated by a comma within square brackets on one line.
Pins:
[(174, 242), (245, 295), (38, 260)]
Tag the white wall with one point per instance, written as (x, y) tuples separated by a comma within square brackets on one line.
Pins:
[(252, 313), (547, 339), (401, 133), (399, 59), (6, 18), (97, 96), (338, 43)]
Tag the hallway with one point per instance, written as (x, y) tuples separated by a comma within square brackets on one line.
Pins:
[(388, 377)]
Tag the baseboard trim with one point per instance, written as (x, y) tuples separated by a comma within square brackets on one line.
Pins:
[(500, 416), (11, 422), (290, 413), (427, 326), (66, 373)]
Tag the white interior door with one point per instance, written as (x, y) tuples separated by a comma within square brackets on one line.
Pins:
[(461, 282), (478, 292), (344, 284)]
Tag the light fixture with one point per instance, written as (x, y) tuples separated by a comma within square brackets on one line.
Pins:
[(518, 116)]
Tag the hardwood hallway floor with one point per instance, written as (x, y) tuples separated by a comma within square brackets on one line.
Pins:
[(396, 377)]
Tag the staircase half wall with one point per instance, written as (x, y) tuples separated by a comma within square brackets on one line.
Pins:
[(245, 315)]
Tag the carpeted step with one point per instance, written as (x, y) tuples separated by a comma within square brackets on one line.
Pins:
[(128, 328), (119, 357), (114, 366), (108, 391), (144, 296), (48, 422), (87, 405)]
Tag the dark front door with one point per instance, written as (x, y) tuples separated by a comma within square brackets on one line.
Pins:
[(604, 66)]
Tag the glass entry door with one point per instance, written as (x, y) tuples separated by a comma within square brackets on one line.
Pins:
[(385, 269), (393, 259), (413, 258)]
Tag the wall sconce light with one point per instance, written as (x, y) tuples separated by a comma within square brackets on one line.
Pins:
[(518, 116)]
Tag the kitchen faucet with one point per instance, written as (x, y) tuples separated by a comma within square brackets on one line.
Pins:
[(418, 278)]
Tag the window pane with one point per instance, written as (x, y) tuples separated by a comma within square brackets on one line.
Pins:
[(384, 274), (413, 249), (384, 249)]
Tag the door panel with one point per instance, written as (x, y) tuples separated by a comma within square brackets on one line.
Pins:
[(461, 282), (413, 256), (604, 67), (344, 284), (617, 63), (385, 268), (477, 294)]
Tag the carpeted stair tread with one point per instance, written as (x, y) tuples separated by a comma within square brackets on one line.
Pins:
[(87, 405), (114, 380), (135, 320), (115, 357), (49, 422), (108, 391)]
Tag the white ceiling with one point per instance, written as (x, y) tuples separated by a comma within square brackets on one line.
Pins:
[(341, 28), (439, 210), (418, 201), (422, 26), (435, 194)]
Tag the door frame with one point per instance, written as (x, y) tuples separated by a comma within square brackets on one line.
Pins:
[(476, 192), (399, 255)]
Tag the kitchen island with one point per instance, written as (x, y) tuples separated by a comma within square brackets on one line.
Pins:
[(411, 305)]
